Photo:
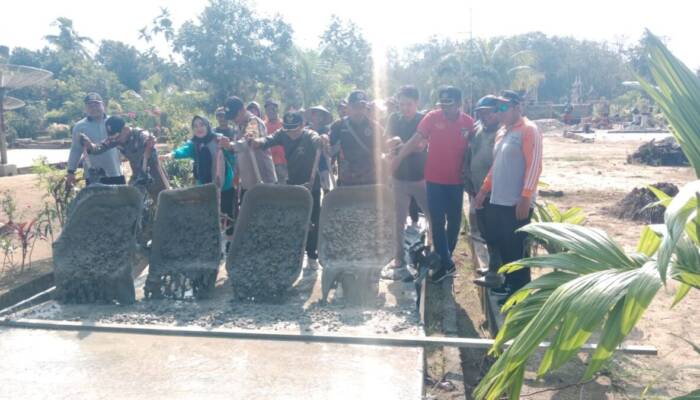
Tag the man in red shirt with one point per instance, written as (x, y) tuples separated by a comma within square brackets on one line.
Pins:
[(273, 124), (447, 132)]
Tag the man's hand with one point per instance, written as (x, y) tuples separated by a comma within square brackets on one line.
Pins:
[(522, 210), (225, 143), (88, 146), (393, 142), (165, 157), (150, 142), (70, 181), (479, 200), (325, 141)]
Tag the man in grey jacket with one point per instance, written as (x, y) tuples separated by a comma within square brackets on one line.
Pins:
[(102, 168)]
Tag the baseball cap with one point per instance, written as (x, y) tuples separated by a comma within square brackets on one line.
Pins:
[(449, 95), (357, 96), (270, 102), (510, 96), (93, 97), (232, 107), (487, 102), (114, 125), (292, 119)]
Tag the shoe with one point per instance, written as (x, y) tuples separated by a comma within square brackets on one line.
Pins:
[(481, 271), (442, 273), (490, 280)]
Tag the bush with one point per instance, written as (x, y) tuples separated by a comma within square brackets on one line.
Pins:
[(59, 131), (27, 121)]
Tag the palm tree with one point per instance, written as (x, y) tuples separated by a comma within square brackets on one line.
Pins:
[(68, 39), (595, 286)]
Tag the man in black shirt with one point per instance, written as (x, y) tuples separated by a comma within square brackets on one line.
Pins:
[(356, 136), (223, 127), (407, 179), (302, 148)]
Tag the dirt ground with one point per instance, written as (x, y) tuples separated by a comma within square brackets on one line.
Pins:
[(593, 176)]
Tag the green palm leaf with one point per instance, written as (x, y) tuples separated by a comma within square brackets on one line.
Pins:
[(601, 288)]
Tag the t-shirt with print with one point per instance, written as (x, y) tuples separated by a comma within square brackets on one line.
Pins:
[(447, 142), (412, 166)]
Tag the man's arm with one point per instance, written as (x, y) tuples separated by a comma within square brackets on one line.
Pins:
[(101, 147), (532, 152), (76, 149)]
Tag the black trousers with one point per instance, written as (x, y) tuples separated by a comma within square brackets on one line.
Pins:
[(499, 230), (312, 238)]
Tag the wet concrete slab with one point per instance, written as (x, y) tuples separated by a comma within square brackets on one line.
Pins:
[(39, 364)]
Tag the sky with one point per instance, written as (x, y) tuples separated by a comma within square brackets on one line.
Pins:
[(386, 23)]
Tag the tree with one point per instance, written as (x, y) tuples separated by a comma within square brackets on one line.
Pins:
[(125, 61), (343, 43), (234, 49), (68, 39)]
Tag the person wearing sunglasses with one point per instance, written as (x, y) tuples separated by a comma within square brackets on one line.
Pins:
[(447, 131), (508, 193)]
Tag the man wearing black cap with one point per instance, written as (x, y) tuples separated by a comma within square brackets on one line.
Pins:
[(508, 193), (447, 131), (256, 169), (356, 136), (102, 168), (302, 148), (477, 163), (138, 147)]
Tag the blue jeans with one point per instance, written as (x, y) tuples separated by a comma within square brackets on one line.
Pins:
[(445, 208)]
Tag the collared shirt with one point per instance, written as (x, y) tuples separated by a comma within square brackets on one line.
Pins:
[(109, 161), (517, 164), (447, 141)]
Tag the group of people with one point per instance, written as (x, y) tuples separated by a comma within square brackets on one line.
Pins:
[(429, 158)]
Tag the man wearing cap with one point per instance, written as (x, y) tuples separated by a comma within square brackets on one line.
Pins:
[(408, 180), (254, 165), (302, 149), (477, 163), (447, 131), (507, 195), (356, 136), (102, 168), (273, 124), (222, 123), (138, 147)]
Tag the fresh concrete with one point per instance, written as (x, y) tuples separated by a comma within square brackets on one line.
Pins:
[(40, 364)]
